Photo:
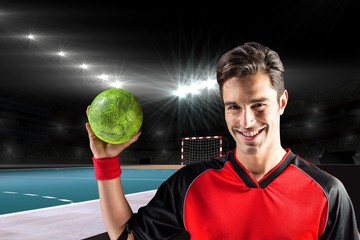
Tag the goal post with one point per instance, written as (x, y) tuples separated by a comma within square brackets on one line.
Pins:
[(196, 149)]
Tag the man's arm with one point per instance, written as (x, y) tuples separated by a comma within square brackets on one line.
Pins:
[(341, 222), (115, 209)]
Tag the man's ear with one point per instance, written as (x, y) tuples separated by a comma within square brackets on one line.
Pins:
[(283, 101)]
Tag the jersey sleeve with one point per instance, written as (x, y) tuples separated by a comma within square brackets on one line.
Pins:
[(341, 223), (162, 217)]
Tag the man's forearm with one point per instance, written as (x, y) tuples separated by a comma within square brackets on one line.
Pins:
[(115, 208)]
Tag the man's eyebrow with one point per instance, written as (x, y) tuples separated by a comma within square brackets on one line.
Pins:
[(260, 100), (229, 103)]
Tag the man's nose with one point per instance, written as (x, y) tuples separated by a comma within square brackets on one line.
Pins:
[(247, 118)]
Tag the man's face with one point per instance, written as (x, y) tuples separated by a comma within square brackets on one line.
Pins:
[(252, 113)]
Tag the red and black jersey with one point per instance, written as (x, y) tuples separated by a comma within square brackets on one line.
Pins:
[(218, 199)]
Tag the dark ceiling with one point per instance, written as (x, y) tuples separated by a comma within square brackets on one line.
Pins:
[(153, 49)]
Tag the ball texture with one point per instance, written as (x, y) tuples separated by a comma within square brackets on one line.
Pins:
[(115, 116)]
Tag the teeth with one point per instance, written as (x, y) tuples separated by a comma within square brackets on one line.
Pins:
[(250, 134)]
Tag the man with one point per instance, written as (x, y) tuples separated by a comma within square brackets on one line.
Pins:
[(257, 191)]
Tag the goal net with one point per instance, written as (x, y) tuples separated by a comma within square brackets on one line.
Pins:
[(195, 149)]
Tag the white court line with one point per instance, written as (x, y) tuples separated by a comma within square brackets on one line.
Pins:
[(37, 195), (48, 197), (8, 192), (130, 195), (30, 194), (71, 222)]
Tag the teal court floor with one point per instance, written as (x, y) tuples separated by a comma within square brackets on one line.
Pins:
[(42, 201), (62, 203)]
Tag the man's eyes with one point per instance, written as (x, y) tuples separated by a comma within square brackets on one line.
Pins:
[(258, 105), (233, 107)]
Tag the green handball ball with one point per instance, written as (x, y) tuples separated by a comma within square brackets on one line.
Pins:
[(115, 116)]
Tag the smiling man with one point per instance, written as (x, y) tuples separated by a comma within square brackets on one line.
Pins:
[(259, 190), (252, 113)]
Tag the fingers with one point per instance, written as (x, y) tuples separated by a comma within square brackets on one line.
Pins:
[(132, 140), (135, 138), (87, 125), (88, 128), (90, 132), (87, 109)]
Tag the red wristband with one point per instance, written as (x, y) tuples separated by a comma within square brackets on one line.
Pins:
[(107, 168)]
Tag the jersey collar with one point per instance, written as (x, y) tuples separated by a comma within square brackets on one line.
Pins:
[(268, 178)]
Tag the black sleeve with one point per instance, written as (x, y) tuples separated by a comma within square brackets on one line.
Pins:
[(124, 235), (341, 222), (162, 217)]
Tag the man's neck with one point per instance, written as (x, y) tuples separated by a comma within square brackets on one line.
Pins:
[(258, 165)]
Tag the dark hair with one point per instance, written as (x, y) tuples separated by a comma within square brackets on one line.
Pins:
[(248, 59)]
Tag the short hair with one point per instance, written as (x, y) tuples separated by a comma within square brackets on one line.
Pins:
[(248, 59)]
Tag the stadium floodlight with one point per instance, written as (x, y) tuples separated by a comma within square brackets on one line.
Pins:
[(116, 84), (61, 54), (182, 91), (84, 66), (104, 77), (195, 88), (210, 84)]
